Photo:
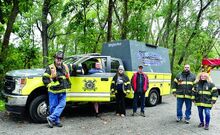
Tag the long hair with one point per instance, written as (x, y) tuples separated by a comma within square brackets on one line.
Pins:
[(208, 78)]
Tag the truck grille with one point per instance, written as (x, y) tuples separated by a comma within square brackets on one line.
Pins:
[(9, 84)]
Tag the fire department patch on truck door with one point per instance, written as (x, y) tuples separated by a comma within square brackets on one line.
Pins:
[(89, 85)]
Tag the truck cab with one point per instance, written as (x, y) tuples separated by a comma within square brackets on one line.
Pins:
[(92, 87), (25, 92)]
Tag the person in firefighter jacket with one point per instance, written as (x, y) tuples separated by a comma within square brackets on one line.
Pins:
[(204, 96), (56, 79), (182, 90), (120, 86)]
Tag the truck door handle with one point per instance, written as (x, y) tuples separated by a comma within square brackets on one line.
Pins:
[(104, 79)]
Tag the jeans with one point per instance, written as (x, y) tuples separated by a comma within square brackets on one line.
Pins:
[(120, 103), (57, 103), (207, 114), (188, 104), (135, 100)]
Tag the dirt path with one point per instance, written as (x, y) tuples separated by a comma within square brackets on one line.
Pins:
[(159, 120)]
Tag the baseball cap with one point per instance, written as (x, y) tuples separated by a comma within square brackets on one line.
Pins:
[(140, 66), (121, 67)]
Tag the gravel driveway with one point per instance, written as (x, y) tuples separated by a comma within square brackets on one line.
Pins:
[(159, 120)]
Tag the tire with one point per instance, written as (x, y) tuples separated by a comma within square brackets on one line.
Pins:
[(153, 98), (38, 109)]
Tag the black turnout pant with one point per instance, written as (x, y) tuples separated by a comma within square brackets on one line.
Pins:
[(120, 102)]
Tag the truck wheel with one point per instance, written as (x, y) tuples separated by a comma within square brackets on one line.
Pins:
[(153, 98), (38, 109)]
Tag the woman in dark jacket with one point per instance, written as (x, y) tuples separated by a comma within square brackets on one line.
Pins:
[(120, 86), (204, 96)]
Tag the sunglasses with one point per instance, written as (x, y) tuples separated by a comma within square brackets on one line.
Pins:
[(59, 58)]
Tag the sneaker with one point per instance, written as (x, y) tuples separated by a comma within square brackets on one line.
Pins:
[(50, 123), (134, 114), (178, 120), (187, 121), (142, 114), (201, 125), (122, 115), (59, 125), (206, 127), (117, 114)]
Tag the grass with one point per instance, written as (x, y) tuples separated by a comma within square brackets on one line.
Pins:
[(2, 105)]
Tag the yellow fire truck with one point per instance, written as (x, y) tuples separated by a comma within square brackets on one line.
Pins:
[(25, 91)]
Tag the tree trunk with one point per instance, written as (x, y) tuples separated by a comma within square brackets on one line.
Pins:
[(10, 23), (85, 24), (175, 36), (160, 41), (110, 10), (44, 31), (124, 29), (149, 33), (202, 9), (169, 20)]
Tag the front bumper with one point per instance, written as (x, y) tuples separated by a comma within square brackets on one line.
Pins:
[(15, 103)]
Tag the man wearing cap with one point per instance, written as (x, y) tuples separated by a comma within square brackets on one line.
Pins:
[(140, 85), (120, 86), (56, 79)]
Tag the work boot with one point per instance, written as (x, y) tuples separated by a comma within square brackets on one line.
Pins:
[(178, 119), (187, 121), (50, 123), (142, 114), (206, 127), (201, 125), (134, 114), (59, 125), (97, 114)]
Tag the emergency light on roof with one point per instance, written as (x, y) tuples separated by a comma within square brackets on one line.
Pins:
[(211, 62)]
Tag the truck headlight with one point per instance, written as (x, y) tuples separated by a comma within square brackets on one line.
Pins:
[(19, 84)]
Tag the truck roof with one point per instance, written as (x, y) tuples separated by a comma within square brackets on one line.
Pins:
[(133, 53), (87, 55)]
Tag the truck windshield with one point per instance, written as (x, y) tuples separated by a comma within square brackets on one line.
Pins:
[(72, 59)]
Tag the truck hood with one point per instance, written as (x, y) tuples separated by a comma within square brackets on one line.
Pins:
[(26, 73)]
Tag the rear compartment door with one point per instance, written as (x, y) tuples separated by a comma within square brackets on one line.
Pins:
[(91, 87)]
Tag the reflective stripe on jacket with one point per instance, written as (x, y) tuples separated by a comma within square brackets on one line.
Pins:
[(126, 83), (183, 84), (57, 80), (204, 94)]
